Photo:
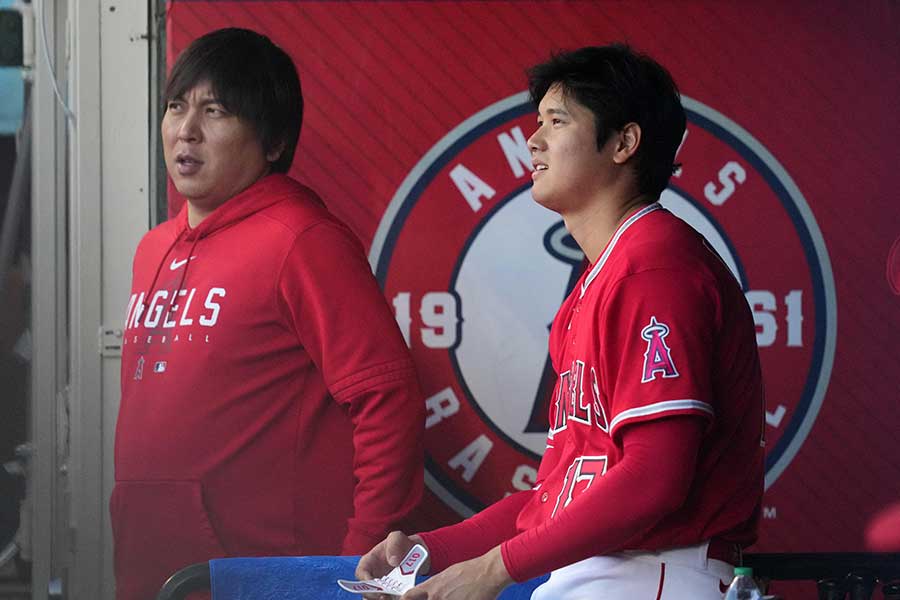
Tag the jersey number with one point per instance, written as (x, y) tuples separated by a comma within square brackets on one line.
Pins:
[(582, 469)]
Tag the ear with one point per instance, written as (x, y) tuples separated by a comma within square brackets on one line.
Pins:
[(275, 153), (628, 143)]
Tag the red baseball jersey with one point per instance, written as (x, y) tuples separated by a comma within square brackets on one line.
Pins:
[(658, 327)]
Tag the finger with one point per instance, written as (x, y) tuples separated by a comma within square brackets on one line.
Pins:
[(371, 562), (363, 572), (397, 545), (421, 591), (417, 593)]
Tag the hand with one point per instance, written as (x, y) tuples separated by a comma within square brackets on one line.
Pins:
[(381, 560), (481, 578)]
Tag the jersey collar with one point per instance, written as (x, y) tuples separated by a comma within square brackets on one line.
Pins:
[(614, 240)]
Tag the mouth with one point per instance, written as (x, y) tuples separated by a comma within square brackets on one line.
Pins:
[(187, 164), (539, 167)]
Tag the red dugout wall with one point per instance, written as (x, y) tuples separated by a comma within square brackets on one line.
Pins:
[(413, 135)]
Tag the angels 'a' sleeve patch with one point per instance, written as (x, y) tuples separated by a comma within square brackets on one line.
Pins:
[(658, 357), (658, 341)]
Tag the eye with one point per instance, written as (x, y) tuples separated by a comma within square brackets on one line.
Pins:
[(215, 110), (173, 105), (556, 121)]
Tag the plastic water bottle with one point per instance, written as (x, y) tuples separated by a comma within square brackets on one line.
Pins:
[(743, 587)]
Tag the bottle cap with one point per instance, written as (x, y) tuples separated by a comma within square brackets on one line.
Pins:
[(743, 571)]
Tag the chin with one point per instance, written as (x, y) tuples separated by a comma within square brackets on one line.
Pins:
[(188, 189), (545, 200)]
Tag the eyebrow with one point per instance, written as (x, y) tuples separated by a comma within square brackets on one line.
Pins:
[(206, 100), (555, 111)]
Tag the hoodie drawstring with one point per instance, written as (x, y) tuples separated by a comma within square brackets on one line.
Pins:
[(267, 191), (144, 303), (172, 305)]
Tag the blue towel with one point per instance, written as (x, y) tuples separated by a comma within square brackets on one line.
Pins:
[(302, 578)]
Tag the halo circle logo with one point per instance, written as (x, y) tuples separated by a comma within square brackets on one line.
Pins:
[(475, 271)]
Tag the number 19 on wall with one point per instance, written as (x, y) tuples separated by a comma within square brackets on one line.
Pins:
[(439, 316)]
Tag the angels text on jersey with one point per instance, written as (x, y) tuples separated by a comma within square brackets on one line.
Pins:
[(173, 316)]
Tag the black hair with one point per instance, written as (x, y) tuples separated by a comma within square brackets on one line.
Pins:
[(619, 86), (252, 78)]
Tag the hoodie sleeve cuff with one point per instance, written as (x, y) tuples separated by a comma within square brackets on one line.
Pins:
[(359, 542)]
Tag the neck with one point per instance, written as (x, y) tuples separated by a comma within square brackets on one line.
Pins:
[(195, 214), (199, 209), (594, 225)]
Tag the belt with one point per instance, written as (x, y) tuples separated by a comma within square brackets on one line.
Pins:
[(725, 551)]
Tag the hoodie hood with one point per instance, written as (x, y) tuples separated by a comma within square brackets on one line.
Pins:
[(265, 192)]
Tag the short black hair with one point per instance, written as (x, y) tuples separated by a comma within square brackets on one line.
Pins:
[(252, 78), (619, 86)]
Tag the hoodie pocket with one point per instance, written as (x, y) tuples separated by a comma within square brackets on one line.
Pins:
[(158, 527)]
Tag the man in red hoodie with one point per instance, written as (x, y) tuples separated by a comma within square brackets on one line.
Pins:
[(269, 403)]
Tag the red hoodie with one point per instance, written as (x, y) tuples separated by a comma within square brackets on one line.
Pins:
[(269, 403)]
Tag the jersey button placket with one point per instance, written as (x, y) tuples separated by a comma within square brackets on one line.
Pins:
[(575, 311)]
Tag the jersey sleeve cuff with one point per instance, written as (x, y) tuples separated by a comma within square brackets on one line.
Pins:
[(512, 566), (437, 551)]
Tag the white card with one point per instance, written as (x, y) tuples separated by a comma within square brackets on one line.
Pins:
[(395, 583)]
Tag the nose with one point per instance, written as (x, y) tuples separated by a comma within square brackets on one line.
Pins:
[(536, 141), (189, 126)]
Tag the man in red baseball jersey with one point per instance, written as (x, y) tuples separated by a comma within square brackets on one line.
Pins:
[(652, 478), (269, 403)]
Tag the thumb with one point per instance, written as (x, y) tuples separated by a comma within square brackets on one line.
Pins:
[(398, 544), (416, 593)]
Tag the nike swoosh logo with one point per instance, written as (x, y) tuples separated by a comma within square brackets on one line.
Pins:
[(177, 264)]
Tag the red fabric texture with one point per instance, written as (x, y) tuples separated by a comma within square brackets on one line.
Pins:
[(477, 534), (271, 406), (652, 481)]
